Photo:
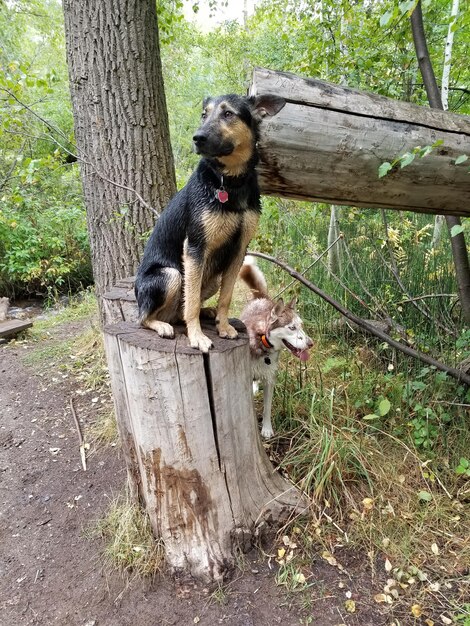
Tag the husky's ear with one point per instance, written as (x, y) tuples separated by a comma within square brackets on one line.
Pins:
[(292, 303), (277, 310), (267, 104)]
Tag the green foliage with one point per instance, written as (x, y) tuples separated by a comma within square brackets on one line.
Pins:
[(407, 158), (463, 617), (43, 240), (463, 468)]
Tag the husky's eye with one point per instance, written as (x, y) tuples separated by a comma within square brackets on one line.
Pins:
[(203, 115), (228, 115), (292, 327)]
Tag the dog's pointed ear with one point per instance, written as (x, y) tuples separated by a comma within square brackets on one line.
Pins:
[(292, 303), (277, 310), (267, 104)]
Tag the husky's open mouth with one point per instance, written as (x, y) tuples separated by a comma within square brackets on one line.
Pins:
[(303, 355)]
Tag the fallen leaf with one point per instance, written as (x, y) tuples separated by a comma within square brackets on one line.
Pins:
[(435, 549), (417, 610), (196, 620), (350, 606), (383, 597), (385, 542), (429, 622), (299, 578), (280, 553), (368, 504), (388, 566), (425, 496), (445, 620)]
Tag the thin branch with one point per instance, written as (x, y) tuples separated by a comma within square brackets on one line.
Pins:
[(379, 307), (452, 371), (309, 267), (430, 295), (12, 168), (80, 159)]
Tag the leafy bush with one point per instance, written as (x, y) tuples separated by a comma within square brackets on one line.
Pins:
[(43, 238)]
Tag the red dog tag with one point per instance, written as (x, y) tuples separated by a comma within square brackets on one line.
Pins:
[(222, 195)]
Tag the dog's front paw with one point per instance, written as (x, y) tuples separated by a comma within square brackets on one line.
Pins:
[(226, 331), (267, 431), (162, 328), (200, 342)]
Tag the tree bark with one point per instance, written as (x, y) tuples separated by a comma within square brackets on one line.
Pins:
[(334, 251), (459, 249), (121, 128)]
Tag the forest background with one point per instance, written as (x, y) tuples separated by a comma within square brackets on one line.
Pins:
[(365, 420)]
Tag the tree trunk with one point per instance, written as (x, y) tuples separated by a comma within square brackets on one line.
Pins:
[(328, 142), (459, 248), (439, 220), (334, 251), (192, 446), (121, 128)]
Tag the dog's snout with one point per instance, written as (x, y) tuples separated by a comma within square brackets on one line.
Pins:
[(309, 342), (200, 138)]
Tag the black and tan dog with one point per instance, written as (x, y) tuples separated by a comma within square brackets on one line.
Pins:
[(200, 239)]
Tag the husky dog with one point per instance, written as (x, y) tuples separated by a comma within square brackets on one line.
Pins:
[(271, 326)]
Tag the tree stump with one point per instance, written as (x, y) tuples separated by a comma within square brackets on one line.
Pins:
[(192, 445)]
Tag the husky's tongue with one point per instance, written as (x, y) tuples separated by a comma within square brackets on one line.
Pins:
[(304, 355)]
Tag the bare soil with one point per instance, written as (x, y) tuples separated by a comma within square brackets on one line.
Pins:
[(51, 571)]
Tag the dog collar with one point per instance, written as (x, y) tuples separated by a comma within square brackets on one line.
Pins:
[(266, 343)]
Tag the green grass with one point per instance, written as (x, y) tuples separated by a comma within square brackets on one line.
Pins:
[(130, 545)]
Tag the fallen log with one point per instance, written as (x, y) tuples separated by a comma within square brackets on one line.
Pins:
[(328, 142)]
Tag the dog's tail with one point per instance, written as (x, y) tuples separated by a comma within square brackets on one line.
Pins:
[(251, 274)]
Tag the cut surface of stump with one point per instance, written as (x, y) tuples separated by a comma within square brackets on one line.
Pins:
[(192, 446)]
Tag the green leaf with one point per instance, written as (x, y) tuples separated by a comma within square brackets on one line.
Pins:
[(371, 416), (464, 462), (456, 230), (461, 159), (384, 407), (460, 470), (385, 18), (424, 151), (384, 169), (425, 496), (406, 159)]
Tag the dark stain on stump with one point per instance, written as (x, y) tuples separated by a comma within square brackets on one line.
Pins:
[(184, 495)]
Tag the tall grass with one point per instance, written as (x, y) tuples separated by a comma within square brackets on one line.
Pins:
[(367, 283)]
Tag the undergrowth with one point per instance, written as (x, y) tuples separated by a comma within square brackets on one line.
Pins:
[(130, 545), (379, 443)]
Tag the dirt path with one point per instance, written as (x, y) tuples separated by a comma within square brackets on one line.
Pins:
[(51, 572)]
